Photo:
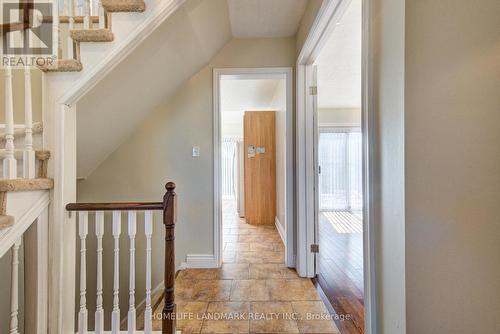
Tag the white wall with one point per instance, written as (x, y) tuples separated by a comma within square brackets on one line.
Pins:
[(387, 56), (279, 105), (339, 117), (174, 52), (452, 132), (159, 150)]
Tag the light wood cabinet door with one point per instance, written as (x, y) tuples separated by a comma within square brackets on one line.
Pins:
[(260, 167)]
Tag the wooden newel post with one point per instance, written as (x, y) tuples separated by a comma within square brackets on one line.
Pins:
[(169, 219)]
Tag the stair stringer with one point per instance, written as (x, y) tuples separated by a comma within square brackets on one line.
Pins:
[(61, 91)]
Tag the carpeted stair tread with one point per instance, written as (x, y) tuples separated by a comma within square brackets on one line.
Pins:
[(116, 6), (26, 184), (63, 65), (6, 221), (92, 35)]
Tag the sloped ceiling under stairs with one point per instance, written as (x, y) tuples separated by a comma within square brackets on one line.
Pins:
[(178, 49)]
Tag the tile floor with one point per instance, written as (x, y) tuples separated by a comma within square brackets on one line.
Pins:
[(253, 292)]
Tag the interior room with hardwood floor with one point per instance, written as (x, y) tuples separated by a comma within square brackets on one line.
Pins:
[(339, 272)]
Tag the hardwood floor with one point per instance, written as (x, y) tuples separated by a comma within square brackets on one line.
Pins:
[(340, 273)]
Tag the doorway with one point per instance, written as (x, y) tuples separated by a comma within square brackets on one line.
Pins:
[(334, 235), (253, 164), (339, 207)]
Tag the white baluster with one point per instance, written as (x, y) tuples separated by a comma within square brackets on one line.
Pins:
[(56, 42), (71, 26), (132, 230), (101, 15), (28, 153), (99, 311), (9, 162), (83, 231), (148, 312), (14, 297), (86, 12), (115, 316)]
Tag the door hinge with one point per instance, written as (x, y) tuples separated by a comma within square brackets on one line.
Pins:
[(314, 248), (313, 90)]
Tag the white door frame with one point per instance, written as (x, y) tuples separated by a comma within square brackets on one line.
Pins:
[(264, 73), (329, 14)]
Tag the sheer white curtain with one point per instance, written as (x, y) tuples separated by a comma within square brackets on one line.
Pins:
[(229, 167), (340, 180)]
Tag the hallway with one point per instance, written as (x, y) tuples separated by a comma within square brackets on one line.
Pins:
[(253, 292)]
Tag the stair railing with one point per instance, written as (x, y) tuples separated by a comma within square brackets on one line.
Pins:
[(168, 206), (27, 153)]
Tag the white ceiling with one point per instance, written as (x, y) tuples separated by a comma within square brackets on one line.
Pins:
[(240, 95), (339, 63), (265, 18)]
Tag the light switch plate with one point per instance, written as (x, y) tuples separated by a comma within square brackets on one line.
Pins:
[(196, 151)]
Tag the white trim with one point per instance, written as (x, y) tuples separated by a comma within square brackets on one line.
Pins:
[(369, 177), (289, 163), (325, 22), (10, 235), (200, 261), (280, 228), (161, 12)]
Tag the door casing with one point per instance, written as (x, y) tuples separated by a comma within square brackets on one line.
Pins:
[(328, 15), (255, 73)]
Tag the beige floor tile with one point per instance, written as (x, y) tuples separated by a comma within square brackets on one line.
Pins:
[(226, 314), (211, 290), (261, 246), (198, 274), (229, 254), (230, 238), (273, 257), (189, 316), (266, 270), (272, 317), (249, 257), (237, 246), (250, 238), (249, 290), (314, 318), (272, 237), (291, 273), (292, 290), (278, 247), (234, 271), (184, 289)]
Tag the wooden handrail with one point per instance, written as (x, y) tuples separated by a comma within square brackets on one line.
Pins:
[(169, 207), (115, 206)]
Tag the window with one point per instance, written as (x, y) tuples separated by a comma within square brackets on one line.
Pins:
[(229, 168), (340, 179)]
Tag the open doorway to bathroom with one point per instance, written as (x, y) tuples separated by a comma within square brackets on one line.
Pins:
[(253, 122)]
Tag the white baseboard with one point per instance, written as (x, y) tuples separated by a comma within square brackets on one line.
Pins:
[(281, 229), (199, 261)]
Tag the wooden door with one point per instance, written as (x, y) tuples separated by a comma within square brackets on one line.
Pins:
[(260, 167)]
